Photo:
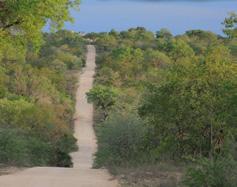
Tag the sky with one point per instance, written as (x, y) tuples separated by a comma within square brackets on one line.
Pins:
[(176, 15)]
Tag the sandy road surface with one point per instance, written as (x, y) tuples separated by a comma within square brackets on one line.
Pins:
[(81, 175)]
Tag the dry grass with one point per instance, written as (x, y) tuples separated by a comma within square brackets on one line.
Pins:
[(162, 175), (6, 170)]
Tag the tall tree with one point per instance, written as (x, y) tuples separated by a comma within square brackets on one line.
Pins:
[(230, 24), (21, 21)]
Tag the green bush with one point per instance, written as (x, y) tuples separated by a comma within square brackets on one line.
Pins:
[(26, 149), (30, 135), (190, 114), (65, 145), (121, 141), (103, 98), (37, 99), (19, 148), (217, 172)]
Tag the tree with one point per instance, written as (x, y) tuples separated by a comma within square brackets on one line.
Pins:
[(21, 22), (179, 49), (163, 33), (201, 40), (193, 108), (106, 42), (156, 58), (36, 100), (230, 24), (103, 98)]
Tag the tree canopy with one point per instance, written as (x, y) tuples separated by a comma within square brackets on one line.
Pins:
[(176, 102), (37, 82), (230, 24), (21, 21)]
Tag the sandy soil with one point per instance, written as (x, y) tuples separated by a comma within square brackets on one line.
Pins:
[(82, 174)]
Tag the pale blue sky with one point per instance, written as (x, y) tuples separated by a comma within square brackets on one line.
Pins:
[(176, 15)]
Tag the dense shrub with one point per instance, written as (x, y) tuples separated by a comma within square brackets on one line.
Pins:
[(184, 89), (217, 172), (19, 148), (28, 130), (37, 102), (121, 141), (29, 149), (193, 106)]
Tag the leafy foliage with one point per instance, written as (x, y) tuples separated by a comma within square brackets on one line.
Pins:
[(193, 108), (230, 24), (218, 172), (21, 22), (183, 88), (121, 140), (37, 102), (103, 98)]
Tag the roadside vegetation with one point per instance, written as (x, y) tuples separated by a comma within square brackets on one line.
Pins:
[(173, 122), (37, 83), (166, 106)]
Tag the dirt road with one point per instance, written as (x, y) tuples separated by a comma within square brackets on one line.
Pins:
[(82, 174)]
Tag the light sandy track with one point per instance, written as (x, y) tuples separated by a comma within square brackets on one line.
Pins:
[(82, 175)]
